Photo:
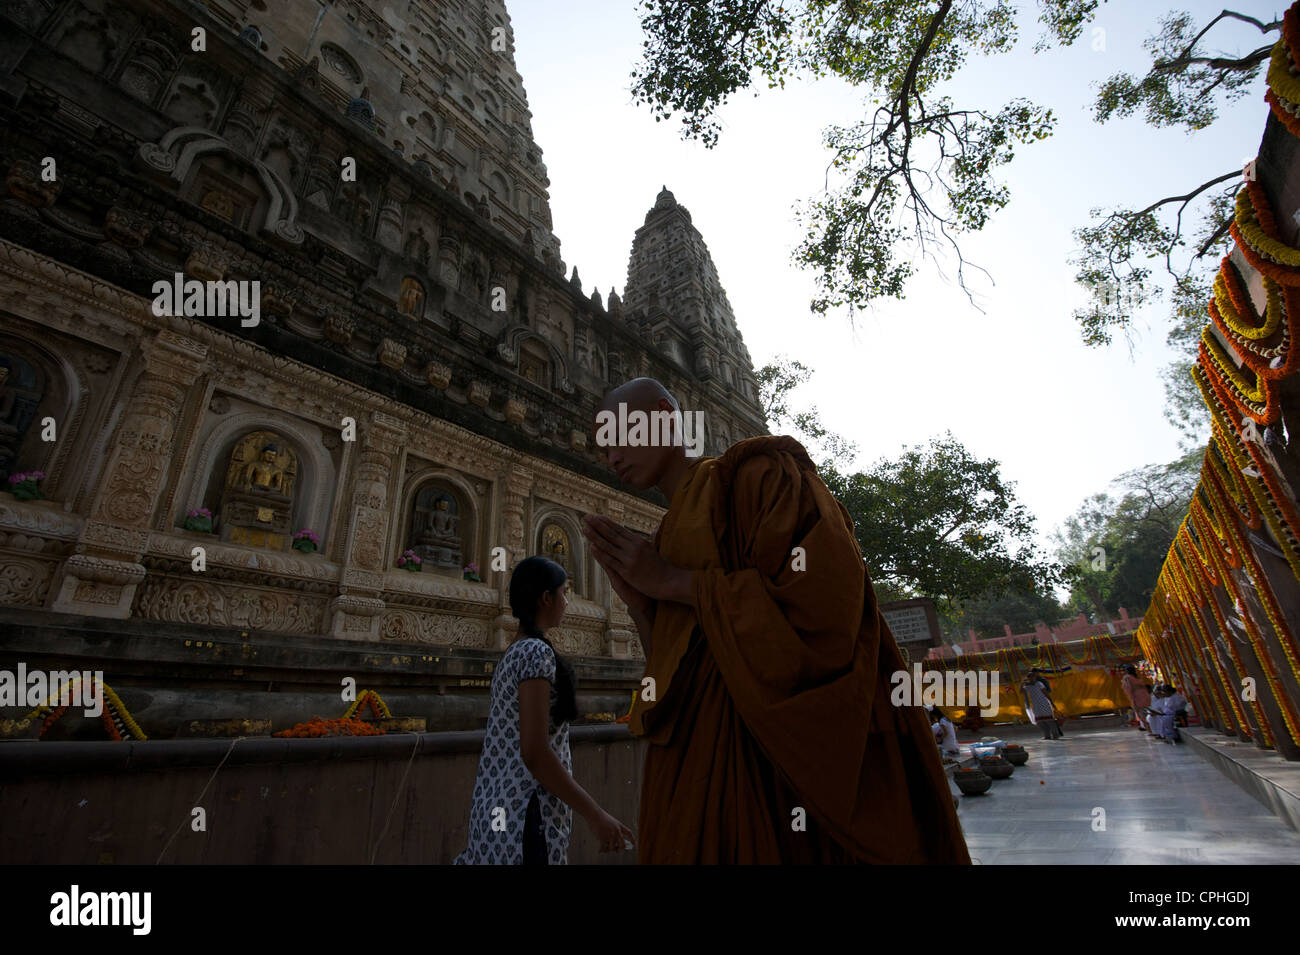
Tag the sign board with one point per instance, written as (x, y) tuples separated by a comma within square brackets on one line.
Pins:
[(913, 623)]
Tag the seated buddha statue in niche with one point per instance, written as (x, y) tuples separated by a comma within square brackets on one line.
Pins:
[(264, 473), (257, 501), (437, 530)]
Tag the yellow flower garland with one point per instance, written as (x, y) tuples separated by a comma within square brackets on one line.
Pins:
[(361, 698), (1255, 573), (1256, 394), (1228, 439), (112, 701), (1281, 75), (1272, 312), (1262, 655), (1229, 639), (1263, 244)]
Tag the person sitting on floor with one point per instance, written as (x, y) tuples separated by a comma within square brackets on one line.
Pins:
[(1171, 703), (944, 733)]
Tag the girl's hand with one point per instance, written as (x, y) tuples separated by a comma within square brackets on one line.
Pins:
[(609, 832)]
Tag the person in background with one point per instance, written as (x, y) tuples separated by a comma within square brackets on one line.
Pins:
[(1038, 698), (1165, 709), (1138, 693), (945, 734)]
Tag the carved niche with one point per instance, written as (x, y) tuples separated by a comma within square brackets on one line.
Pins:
[(555, 543), (436, 530), (257, 498), (411, 300), (21, 388)]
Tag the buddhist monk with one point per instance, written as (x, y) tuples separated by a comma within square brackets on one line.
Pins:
[(767, 708)]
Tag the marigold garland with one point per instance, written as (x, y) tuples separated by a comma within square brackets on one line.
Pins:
[(1259, 582), (317, 727), (373, 701), (1195, 600), (1257, 398), (116, 718), (1233, 304), (1283, 85), (1206, 584), (1255, 231), (1289, 715), (1275, 506)]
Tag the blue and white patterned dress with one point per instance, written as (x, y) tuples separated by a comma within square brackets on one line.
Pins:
[(504, 784)]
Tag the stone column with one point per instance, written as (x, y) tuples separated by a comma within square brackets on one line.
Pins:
[(621, 632), (517, 485), (101, 578), (356, 612)]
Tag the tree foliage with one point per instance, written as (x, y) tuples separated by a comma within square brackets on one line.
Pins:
[(1114, 546), (939, 522), (936, 521), (921, 166), (776, 381)]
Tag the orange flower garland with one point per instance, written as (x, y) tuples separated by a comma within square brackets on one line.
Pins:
[(1255, 230), (1289, 715), (1206, 584), (1274, 504), (1283, 87), (317, 727), (1259, 582)]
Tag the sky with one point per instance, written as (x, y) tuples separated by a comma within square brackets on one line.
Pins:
[(1009, 376)]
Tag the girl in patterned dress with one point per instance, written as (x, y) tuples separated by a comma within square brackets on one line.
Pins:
[(525, 793)]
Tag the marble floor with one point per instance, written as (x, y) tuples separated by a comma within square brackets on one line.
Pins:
[(1162, 804)]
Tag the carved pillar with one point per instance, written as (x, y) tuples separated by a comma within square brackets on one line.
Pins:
[(101, 578), (388, 231), (323, 172), (247, 114), (449, 259), (356, 612), (517, 484), (619, 636)]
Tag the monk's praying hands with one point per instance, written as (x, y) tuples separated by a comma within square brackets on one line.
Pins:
[(632, 558)]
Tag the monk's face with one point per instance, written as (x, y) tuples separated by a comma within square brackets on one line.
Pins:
[(639, 466)]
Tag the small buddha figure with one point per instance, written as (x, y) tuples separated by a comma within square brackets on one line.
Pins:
[(411, 302), (264, 474), (437, 539), (441, 525)]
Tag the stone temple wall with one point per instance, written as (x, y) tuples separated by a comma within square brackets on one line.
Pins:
[(419, 374)]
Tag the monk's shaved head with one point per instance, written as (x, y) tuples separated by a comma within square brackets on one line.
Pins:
[(639, 428), (639, 394)]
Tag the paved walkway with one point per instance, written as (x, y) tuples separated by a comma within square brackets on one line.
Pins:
[(1164, 804)]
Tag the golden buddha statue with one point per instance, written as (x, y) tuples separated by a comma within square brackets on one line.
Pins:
[(264, 473), (257, 503)]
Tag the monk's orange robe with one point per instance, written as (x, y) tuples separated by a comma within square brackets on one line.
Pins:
[(773, 696)]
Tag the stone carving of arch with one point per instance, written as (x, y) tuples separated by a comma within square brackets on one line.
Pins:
[(509, 347), (467, 515), (176, 152), (60, 393), (316, 477)]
